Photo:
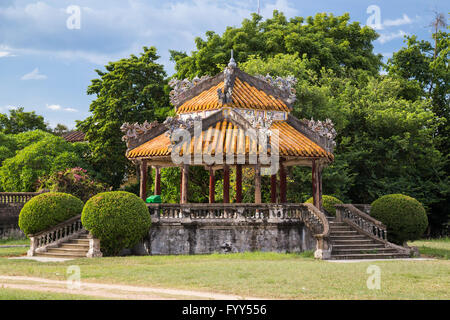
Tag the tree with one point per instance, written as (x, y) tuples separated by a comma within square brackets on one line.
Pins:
[(60, 129), (326, 40), (21, 172), (386, 143), (425, 66), (21, 121), (130, 90)]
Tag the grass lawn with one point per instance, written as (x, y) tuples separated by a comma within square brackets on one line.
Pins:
[(15, 294), (270, 275), (439, 248), (6, 242), (15, 251)]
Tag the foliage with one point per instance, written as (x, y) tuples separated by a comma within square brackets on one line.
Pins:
[(75, 181), (426, 66), (326, 40), (328, 203), (119, 219), (405, 217), (60, 129), (47, 210), (21, 121), (21, 172), (130, 90), (386, 143)]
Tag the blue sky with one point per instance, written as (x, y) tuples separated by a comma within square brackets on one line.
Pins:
[(47, 66)]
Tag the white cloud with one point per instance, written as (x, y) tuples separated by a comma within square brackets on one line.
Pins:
[(397, 22), (40, 27), (4, 54), (34, 75), (386, 37), (57, 107)]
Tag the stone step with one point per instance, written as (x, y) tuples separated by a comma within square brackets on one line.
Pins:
[(343, 233), (332, 227), (79, 241), (67, 251), (74, 246), (60, 255), (367, 246), (352, 242), (368, 256), (348, 237), (340, 251), (333, 223)]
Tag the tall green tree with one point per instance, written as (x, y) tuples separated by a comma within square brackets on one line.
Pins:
[(326, 40), (21, 121), (130, 90)]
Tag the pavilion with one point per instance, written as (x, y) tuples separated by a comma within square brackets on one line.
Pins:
[(233, 120)]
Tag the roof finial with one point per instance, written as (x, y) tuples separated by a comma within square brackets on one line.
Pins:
[(232, 63)]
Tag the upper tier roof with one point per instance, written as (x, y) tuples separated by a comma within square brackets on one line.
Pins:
[(233, 88)]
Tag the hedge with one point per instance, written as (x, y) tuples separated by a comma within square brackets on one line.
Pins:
[(119, 219), (404, 217), (47, 210), (328, 203)]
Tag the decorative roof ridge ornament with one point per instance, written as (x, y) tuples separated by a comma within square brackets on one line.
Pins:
[(181, 86), (175, 123), (323, 129), (133, 131), (285, 84), (226, 96)]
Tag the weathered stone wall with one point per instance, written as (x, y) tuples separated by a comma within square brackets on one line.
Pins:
[(9, 220), (203, 237)]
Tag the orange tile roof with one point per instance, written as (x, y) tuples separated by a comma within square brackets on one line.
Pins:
[(245, 96), (292, 142)]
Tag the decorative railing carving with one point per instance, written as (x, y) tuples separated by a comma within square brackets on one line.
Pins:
[(17, 197), (54, 236), (313, 218), (364, 222)]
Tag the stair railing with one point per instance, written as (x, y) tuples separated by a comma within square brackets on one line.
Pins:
[(367, 225), (362, 221), (58, 234)]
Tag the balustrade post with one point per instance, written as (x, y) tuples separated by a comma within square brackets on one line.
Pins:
[(338, 214), (32, 249), (94, 247)]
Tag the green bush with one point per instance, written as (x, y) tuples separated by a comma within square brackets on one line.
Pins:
[(328, 203), (47, 210), (405, 217), (119, 219)]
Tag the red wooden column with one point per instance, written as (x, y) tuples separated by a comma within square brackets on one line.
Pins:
[(315, 184), (273, 188), (143, 180), (258, 184), (157, 181), (212, 186), (226, 184), (283, 184), (184, 184), (238, 183)]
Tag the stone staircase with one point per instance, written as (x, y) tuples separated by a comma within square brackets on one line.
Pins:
[(349, 243), (74, 248)]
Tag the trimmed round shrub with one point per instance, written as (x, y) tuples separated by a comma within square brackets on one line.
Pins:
[(118, 218), (47, 210), (328, 203), (405, 217)]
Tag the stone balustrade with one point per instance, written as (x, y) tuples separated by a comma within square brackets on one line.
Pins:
[(17, 197), (362, 221), (247, 213)]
